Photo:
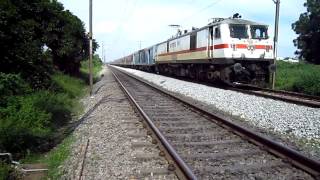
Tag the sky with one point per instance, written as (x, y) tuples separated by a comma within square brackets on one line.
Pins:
[(123, 26)]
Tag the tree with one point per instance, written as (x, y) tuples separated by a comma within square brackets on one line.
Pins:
[(66, 37), (308, 30), (30, 30), (20, 43)]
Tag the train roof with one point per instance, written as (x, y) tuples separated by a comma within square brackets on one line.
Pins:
[(235, 21), (217, 22)]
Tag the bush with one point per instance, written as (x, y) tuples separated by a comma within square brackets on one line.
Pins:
[(5, 170), (28, 121), (73, 87), (97, 66), (59, 106), (12, 84), (23, 125), (308, 83), (30, 118), (299, 77)]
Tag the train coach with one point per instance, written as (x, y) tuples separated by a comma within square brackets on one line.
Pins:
[(228, 50)]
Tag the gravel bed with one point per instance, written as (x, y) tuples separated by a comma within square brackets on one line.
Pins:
[(110, 128), (295, 123)]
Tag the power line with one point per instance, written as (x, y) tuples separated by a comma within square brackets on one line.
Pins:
[(201, 10), (123, 21), (124, 9)]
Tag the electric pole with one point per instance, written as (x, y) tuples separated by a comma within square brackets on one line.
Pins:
[(102, 56), (276, 33), (90, 47)]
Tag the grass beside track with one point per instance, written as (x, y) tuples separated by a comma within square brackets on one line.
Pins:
[(55, 158), (298, 77), (97, 67), (33, 118)]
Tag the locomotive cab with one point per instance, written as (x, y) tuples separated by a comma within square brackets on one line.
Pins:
[(250, 42), (250, 49)]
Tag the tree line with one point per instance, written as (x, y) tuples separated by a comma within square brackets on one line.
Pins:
[(308, 30), (41, 45), (37, 36)]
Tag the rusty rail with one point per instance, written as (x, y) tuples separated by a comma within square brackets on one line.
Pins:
[(178, 160), (287, 96), (296, 158)]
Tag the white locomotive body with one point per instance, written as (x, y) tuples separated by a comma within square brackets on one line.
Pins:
[(230, 50)]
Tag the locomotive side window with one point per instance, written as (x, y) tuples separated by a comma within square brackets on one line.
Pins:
[(217, 34), (259, 32), (238, 31)]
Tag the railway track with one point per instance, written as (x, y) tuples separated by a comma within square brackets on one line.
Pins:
[(287, 96), (205, 146)]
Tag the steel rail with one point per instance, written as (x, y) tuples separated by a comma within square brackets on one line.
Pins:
[(296, 158), (307, 100), (317, 98), (281, 98), (287, 96), (188, 173)]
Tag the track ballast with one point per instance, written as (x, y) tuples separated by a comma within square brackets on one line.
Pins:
[(209, 148)]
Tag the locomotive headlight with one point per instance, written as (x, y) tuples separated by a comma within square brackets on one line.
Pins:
[(272, 68), (251, 47)]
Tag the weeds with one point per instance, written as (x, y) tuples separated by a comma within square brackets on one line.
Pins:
[(298, 77)]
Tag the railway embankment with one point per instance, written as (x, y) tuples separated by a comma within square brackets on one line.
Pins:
[(294, 125), (34, 121)]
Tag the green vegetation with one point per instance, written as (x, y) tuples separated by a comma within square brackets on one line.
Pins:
[(97, 66), (307, 29), (5, 170), (38, 36), (298, 77), (29, 120), (42, 47), (73, 87), (54, 158), (57, 156)]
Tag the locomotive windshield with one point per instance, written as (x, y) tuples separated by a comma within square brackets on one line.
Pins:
[(259, 32), (238, 31)]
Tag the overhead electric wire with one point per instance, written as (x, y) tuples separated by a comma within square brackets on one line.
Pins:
[(124, 9), (124, 19), (199, 11)]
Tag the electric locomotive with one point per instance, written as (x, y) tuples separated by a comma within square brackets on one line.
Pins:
[(227, 50)]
